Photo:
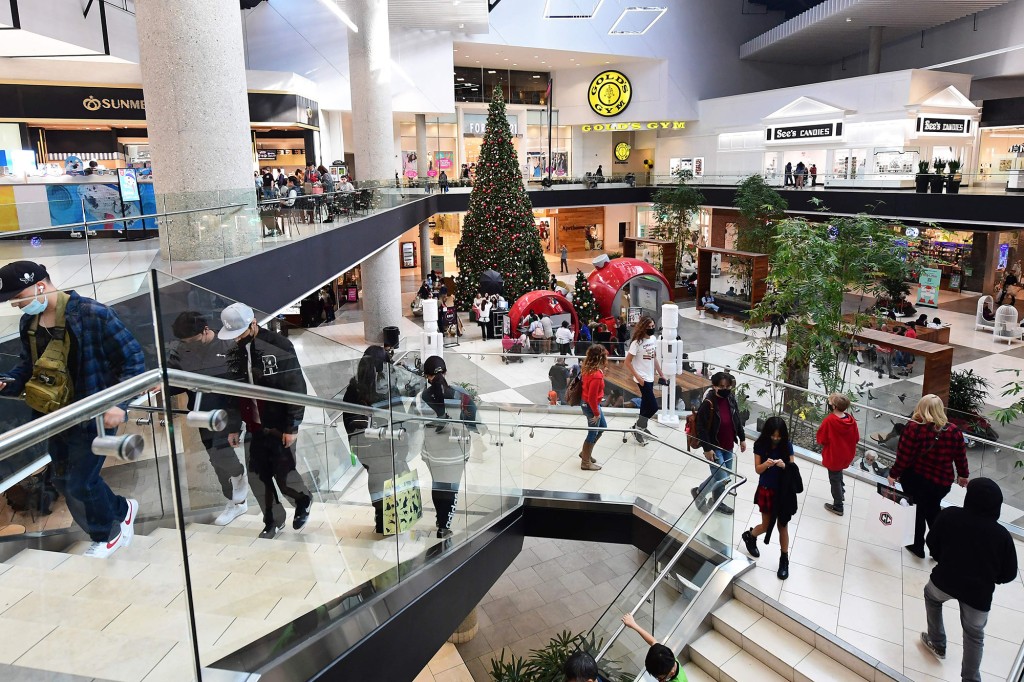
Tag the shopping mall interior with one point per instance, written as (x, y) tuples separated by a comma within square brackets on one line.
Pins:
[(324, 274)]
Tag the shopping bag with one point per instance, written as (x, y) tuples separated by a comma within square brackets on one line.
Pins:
[(403, 505), (890, 517)]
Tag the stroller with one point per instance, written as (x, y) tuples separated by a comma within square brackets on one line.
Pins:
[(511, 349)]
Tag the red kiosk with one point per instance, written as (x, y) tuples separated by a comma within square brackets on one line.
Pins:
[(630, 285), (550, 303)]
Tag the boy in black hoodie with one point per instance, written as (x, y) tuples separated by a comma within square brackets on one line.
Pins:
[(974, 554)]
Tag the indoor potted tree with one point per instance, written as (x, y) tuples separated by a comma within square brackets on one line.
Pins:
[(936, 179), (967, 394), (954, 179), (438, 238), (922, 178)]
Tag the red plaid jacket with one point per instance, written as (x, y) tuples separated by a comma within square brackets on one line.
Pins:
[(931, 454)]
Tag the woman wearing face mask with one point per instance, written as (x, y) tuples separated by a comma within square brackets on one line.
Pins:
[(642, 363), (772, 452), (593, 368), (719, 428), (445, 456)]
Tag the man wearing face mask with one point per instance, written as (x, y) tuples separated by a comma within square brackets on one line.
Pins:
[(102, 353), (199, 350), (265, 358), (719, 428)]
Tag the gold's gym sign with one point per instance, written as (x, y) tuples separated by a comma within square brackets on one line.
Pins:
[(645, 125), (609, 93), (93, 104)]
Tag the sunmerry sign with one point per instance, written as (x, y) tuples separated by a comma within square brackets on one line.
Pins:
[(1016, 149), (644, 125), (610, 93), (937, 125), (806, 131)]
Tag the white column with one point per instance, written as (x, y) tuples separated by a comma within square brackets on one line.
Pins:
[(369, 57), (193, 75), (425, 241), (421, 147)]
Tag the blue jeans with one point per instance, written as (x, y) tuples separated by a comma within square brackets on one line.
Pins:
[(592, 436), (973, 622), (719, 478), (648, 401), (711, 306), (76, 474)]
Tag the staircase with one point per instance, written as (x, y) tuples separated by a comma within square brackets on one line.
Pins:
[(753, 641), (124, 618)]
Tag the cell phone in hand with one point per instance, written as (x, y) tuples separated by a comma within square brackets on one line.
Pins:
[(663, 381)]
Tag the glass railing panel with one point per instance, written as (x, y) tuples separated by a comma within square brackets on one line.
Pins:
[(103, 568)]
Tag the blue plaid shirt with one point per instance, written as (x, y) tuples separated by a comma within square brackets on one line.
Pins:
[(106, 352)]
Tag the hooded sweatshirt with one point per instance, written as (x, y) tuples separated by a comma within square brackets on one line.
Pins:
[(838, 438), (973, 551)]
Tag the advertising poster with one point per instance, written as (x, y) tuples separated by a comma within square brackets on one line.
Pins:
[(928, 287), (535, 164), (560, 164), (445, 161), (633, 315), (75, 203), (437, 264), (409, 164), (129, 184)]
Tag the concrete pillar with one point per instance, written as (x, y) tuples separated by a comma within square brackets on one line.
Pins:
[(193, 76), (421, 148), (874, 49), (369, 57), (425, 242)]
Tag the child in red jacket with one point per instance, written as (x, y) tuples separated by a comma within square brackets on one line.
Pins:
[(838, 436)]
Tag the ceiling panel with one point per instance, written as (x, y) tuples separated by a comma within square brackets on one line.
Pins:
[(837, 28), (459, 16)]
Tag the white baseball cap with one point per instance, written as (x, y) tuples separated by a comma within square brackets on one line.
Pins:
[(235, 320)]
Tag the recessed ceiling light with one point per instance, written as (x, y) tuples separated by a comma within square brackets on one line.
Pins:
[(543, 62), (478, 61), (848, 19), (607, 62), (460, 79), (506, 59), (571, 59), (492, 72), (536, 76), (514, 64), (536, 57)]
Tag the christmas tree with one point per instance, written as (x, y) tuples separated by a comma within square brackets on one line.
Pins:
[(498, 232), (583, 300)]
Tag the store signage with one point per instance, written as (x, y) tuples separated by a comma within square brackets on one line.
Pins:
[(21, 102), (932, 125), (912, 232), (807, 131), (622, 150), (476, 124), (644, 125), (1016, 149), (610, 93), (267, 154)]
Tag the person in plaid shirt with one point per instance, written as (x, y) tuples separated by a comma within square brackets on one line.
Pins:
[(929, 449), (103, 353)]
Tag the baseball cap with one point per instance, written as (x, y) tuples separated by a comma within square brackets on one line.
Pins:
[(235, 319), (17, 276), (434, 365)]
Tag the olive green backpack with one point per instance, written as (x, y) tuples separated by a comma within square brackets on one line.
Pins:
[(50, 387)]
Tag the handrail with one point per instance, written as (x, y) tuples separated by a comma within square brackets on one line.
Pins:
[(40, 429), (675, 557), (104, 221), (1017, 669)]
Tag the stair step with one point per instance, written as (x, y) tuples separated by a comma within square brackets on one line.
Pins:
[(695, 674), (817, 667), (733, 618), (775, 647), (711, 651), (745, 668)]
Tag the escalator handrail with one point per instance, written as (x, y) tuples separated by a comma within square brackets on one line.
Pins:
[(671, 563)]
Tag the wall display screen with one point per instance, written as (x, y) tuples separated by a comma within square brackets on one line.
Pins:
[(928, 287), (128, 183)]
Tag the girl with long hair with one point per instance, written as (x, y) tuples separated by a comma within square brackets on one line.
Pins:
[(929, 449), (772, 452), (593, 367), (642, 363)]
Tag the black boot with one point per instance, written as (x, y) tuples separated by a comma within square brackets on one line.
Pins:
[(751, 542), (783, 566)]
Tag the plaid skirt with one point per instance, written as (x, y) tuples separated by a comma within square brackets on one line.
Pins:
[(764, 498)]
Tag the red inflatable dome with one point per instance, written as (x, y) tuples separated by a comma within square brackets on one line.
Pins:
[(609, 282), (549, 303)]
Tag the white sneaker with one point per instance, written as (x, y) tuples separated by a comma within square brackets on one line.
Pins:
[(239, 488), (231, 512), (101, 550), (128, 525)]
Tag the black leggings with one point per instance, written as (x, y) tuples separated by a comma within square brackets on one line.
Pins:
[(648, 403), (927, 498)]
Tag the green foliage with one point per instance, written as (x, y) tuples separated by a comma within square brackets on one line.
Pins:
[(922, 167), (760, 207), (814, 266), (954, 166), (674, 209), (1008, 415), (498, 232), (967, 392), (939, 165), (545, 665), (896, 289), (583, 299)]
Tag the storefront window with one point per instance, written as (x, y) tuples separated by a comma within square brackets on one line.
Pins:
[(475, 84), (441, 146), (537, 145), (896, 161)]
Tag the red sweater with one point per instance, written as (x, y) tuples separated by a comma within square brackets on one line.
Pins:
[(838, 438), (593, 390)]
